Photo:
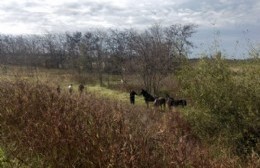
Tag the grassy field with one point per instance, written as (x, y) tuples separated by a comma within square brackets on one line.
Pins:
[(114, 94), (203, 134), (54, 77)]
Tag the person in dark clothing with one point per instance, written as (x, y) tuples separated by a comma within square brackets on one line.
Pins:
[(132, 96), (81, 88), (58, 89)]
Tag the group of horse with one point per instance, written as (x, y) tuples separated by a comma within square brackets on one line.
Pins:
[(162, 101)]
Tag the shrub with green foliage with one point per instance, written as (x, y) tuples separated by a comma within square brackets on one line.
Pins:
[(227, 103)]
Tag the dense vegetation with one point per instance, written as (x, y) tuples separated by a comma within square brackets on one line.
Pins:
[(226, 102), (219, 128), (39, 127)]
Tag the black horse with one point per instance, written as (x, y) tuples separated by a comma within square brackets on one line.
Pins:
[(171, 102), (147, 97), (181, 102), (160, 101)]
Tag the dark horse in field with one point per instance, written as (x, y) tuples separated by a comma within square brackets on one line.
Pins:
[(157, 101), (160, 101), (180, 102), (171, 102), (147, 97)]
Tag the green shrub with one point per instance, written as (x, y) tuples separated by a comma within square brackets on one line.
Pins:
[(226, 104)]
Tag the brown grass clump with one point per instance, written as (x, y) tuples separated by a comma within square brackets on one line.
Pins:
[(41, 128)]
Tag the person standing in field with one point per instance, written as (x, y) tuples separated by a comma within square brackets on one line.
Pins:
[(58, 89), (70, 88), (132, 96), (81, 88)]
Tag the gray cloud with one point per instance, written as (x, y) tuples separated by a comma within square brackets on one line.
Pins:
[(205, 12), (37, 16)]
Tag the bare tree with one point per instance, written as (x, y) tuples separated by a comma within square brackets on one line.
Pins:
[(156, 49), (93, 52), (118, 51), (73, 49), (152, 53), (33, 52), (100, 53), (86, 51), (177, 37), (54, 50), (3, 53)]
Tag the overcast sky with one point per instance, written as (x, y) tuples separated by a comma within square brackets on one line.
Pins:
[(230, 22)]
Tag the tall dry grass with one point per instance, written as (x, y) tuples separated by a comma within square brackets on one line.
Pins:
[(41, 128)]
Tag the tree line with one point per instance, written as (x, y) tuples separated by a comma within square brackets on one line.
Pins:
[(151, 53)]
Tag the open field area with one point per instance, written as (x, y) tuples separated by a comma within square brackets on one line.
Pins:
[(100, 128), (129, 84)]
